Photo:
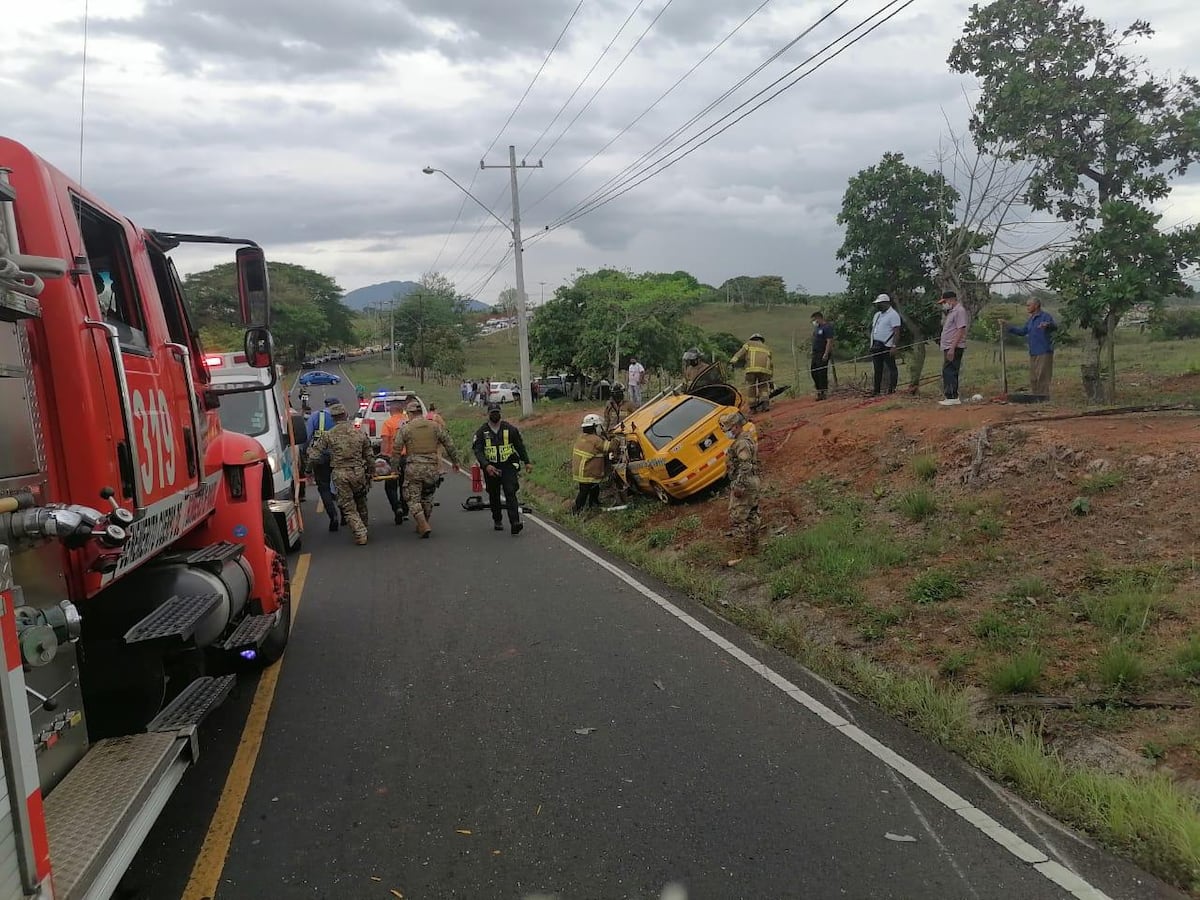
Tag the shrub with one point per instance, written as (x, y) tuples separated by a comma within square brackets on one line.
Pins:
[(1120, 667), (1177, 324), (934, 586), (917, 505), (1187, 659), (1020, 674), (660, 537)]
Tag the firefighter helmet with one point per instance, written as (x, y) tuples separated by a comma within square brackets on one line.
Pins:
[(591, 420), (756, 337), (692, 355)]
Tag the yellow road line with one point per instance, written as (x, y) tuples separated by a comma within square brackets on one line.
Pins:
[(210, 862)]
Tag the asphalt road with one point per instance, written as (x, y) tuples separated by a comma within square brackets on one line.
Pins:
[(480, 715)]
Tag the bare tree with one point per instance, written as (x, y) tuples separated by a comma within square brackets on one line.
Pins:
[(996, 239)]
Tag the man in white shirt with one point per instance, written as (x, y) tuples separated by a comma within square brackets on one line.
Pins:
[(637, 374), (885, 343)]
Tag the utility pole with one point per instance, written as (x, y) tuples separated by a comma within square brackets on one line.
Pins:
[(542, 299), (518, 251), (392, 311)]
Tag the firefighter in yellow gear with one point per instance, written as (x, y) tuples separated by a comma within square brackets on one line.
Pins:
[(756, 356), (587, 463)]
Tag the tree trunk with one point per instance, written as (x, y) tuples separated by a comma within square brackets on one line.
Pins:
[(1094, 387)]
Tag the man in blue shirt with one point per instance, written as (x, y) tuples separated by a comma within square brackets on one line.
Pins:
[(1037, 331), (320, 421), (822, 351)]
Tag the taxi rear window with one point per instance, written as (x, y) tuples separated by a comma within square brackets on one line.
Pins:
[(678, 421)]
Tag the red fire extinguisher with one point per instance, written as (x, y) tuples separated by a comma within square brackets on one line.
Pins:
[(476, 478)]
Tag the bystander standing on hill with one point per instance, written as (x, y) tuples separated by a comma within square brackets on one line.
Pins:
[(1037, 332), (953, 343)]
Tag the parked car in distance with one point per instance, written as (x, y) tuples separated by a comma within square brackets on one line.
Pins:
[(503, 392), (551, 387), (318, 376), (373, 412), (674, 447)]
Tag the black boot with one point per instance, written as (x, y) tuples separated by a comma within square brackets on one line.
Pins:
[(497, 524), (333, 524), (517, 526), (399, 517)]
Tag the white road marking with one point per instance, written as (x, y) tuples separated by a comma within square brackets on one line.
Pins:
[(1013, 843)]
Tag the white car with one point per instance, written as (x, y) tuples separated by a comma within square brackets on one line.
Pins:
[(374, 412), (503, 392)]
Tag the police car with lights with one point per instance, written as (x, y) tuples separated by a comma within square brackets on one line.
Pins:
[(374, 412)]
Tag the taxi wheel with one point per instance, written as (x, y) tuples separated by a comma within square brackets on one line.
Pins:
[(660, 492)]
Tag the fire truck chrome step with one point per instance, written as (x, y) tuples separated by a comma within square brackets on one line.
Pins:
[(213, 555), (98, 816), (177, 618), (250, 633), (196, 701)]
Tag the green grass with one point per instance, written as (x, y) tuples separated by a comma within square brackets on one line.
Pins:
[(998, 631), (954, 664), (1031, 587), (660, 537), (1101, 482), (826, 561), (934, 586), (917, 505), (1187, 659), (1124, 607), (1019, 674), (1120, 667), (925, 466), (876, 621)]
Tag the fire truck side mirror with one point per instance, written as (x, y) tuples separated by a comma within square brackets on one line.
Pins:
[(253, 288), (259, 348)]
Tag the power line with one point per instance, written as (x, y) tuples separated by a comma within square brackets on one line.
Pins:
[(630, 183), (507, 122), (605, 82), (534, 79), (703, 112), (582, 82), (717, 46)]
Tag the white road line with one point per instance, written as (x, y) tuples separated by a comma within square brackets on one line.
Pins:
[(985, 824)]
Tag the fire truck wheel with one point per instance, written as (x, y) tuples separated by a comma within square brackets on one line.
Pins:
[(273, 647)]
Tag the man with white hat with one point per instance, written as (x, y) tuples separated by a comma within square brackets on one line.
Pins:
[(885, 344)]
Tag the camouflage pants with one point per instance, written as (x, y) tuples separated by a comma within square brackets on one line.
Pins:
[(351, 486), (420, 483), (758, 386), (743, 514)]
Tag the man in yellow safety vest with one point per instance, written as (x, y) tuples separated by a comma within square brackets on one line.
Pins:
[(500, 451)]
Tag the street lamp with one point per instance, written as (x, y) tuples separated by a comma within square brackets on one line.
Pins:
[(514, 231)]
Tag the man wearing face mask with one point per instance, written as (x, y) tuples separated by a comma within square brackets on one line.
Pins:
[(500, 451)]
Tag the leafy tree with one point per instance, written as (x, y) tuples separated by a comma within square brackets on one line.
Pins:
[(1059, 90), (894, 215), (599, 319), (431, 324), (752, 290), (506, 303), (306, 307)]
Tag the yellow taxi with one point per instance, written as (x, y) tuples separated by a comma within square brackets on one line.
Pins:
[(673, 446)]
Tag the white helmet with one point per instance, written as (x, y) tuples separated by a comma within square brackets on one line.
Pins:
[(591, 420)]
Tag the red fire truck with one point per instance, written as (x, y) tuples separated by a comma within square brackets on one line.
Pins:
[(140, 566)]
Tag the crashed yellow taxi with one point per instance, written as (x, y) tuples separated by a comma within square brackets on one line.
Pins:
[(673, 446)]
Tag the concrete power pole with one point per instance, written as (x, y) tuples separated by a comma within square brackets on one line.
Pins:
[(522, 300)]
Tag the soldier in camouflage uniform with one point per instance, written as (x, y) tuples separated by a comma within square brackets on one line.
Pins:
[(741, 466), (419, 439), (352, 464)]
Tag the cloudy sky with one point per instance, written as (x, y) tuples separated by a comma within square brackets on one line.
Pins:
[(305, 125)]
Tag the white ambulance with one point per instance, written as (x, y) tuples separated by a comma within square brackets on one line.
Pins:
[(264, 416)]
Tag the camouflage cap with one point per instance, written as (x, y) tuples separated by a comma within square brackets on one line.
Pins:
[(337, 410), (731, 420), (414, 406)]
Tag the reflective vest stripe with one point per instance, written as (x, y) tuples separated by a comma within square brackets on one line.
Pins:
[(501, 452), (758, 360)]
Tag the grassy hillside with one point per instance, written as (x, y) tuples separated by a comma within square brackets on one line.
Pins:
[(779, 325)]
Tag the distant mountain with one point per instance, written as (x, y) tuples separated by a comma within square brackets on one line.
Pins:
[(361, 298)]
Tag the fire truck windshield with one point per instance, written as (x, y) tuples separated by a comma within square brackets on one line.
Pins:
[(245, 413)]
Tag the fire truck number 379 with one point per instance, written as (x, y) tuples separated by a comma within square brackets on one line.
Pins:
[(157, 438)]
